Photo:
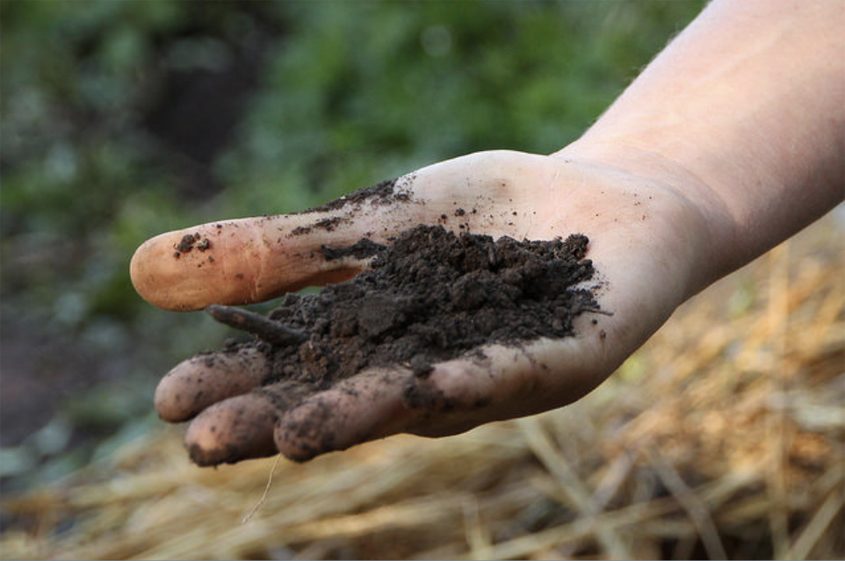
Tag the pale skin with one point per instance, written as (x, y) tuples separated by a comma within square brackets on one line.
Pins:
[(732, 140)]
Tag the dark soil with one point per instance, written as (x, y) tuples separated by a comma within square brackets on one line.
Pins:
[(327, 224), (430, 296), (361, 249), (186, 244), (189, 242), (382, 193)]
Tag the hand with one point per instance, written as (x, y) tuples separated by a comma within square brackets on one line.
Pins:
[(648, 242)]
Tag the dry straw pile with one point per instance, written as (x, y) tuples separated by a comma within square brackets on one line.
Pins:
[(723, 437)]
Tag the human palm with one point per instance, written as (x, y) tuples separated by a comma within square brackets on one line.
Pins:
[(645, 237)]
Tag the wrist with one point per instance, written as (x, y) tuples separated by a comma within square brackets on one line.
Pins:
[(695, 216), (713, 115)]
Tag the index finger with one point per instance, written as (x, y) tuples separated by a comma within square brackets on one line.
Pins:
[(254, 259)]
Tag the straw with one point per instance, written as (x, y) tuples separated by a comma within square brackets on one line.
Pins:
[(724, 436)]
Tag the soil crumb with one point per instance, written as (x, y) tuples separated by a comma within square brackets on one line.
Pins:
[(385, 192), (361, 249), (431, 296), (189, 242), (327, 224)]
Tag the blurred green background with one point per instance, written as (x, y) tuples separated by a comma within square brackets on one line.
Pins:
[(123, 119)]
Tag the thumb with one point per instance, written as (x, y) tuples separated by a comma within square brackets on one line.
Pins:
[(254, 259)]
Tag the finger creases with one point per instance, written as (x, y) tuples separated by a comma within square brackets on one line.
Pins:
[(243, 261), (203, 380), (235, 429), (509, 381), (364, 407)]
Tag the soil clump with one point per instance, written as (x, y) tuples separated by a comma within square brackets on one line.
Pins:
[(431, 296), (189, 242)]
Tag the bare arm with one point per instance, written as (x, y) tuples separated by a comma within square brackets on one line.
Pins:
[(747, 106)]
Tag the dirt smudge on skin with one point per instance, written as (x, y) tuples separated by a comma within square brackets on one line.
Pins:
[(385, 192), (327, 224), (362, 249)]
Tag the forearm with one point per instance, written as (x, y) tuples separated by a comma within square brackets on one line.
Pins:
[(746, 107)]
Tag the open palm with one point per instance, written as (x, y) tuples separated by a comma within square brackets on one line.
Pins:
[(645, 240)]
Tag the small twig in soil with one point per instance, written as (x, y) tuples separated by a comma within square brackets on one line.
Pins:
[(263, 328)]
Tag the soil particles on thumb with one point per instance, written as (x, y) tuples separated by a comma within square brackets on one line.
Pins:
[(430, 296)]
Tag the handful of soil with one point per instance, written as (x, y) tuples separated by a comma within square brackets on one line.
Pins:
[(431, 296)]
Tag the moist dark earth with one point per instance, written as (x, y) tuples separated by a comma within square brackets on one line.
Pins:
[(430, 296)]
